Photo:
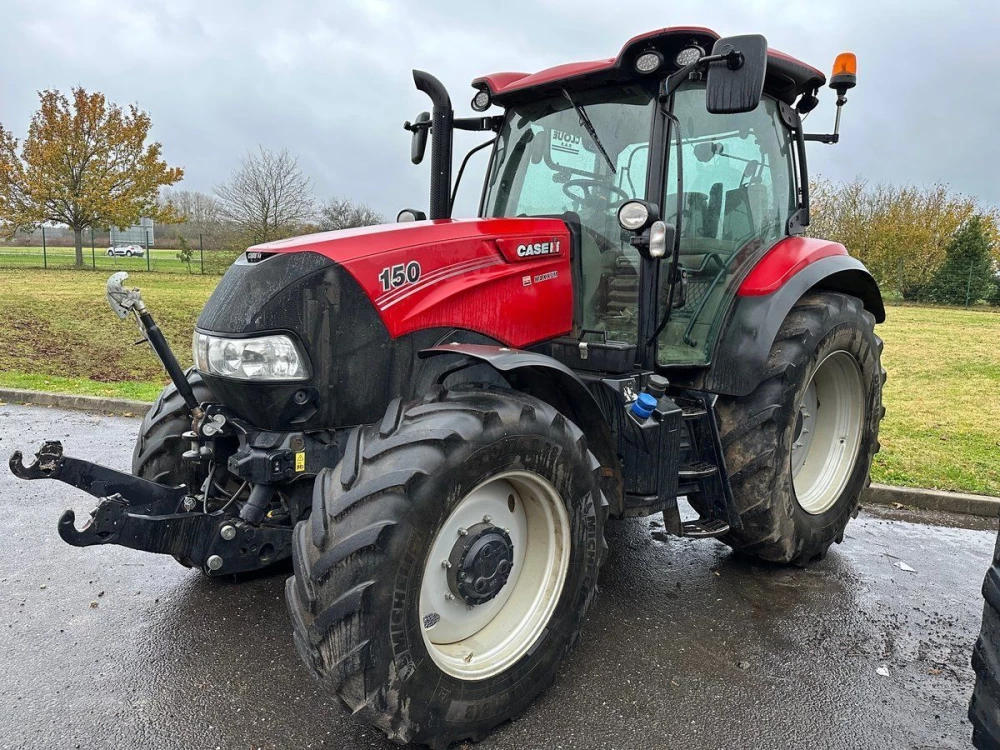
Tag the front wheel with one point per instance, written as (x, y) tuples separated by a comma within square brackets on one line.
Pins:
[(798, 449), (448, 563)]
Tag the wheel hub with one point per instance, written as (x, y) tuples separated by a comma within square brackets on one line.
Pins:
[(480, 563)]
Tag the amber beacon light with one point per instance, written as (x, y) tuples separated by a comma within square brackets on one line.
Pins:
[(845, 72)]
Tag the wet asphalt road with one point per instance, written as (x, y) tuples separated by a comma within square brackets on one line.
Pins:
[(687, 646)]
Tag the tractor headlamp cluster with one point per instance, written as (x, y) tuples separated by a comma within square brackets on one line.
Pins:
[(481, 101), (268, 358), (689, 55), (648, 62)]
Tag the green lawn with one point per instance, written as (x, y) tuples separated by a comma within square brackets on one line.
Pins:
[(942, 427), (160, 259), (942, 424), (57, 332)]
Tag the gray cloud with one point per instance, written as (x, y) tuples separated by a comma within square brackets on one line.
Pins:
[(332, 82)]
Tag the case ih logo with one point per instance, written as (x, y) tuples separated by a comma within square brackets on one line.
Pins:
[(538, 248)]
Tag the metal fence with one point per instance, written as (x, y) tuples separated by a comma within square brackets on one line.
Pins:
[(952, 284), (53, 247), (955, 284)]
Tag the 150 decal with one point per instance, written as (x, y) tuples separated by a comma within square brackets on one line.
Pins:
[(393, 277)]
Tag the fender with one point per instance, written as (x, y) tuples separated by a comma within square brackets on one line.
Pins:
[(551, 381), (793, 267)]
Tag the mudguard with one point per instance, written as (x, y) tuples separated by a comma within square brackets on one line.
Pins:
[(764, 300), (551, 381)]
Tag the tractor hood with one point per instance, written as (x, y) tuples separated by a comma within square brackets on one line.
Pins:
[(467, 273), (349, 245), (363, 302)]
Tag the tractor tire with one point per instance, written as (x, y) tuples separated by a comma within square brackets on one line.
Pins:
[(984, 709), (158, 449), (382, 562), (816, 415)]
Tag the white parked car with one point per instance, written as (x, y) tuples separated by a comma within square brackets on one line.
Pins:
[(126, 250)]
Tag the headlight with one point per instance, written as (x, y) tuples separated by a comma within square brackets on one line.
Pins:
[(648, 62), (481, 101), (260, 358), (689, 55)]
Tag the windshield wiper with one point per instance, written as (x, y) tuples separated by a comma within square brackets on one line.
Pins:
[(589, 127)]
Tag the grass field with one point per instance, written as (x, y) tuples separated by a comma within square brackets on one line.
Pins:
[(942, 427), (160, 259)]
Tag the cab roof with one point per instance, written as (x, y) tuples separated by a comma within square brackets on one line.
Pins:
[(786, 77)]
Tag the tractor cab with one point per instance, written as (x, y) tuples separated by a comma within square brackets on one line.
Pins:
[(720, 185)]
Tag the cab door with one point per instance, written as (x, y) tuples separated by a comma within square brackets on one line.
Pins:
[(738, 191)]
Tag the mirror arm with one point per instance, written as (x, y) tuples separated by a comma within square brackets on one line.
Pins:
[(833, 137), (479, 123), (733, 58)]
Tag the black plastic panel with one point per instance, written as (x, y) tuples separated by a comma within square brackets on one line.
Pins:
[(356, 367)]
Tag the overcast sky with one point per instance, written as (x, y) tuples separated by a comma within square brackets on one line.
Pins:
[(331, 81)]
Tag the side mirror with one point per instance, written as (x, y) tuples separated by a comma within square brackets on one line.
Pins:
[(418, 145), (735, 84)]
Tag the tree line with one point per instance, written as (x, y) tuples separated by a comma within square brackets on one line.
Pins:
[(922, 244), (87, 164)]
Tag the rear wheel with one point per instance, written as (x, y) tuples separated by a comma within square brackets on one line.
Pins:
[(798, 449), (448, 563)]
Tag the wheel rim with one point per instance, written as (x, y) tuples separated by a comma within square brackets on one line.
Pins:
[(476, 641), (827, 432)]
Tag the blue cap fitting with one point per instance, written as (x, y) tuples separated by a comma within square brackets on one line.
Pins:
[(644, 405)]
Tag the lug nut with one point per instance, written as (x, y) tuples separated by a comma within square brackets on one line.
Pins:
[(214, 562), (446, 565), (228, 532), (487, 519), (463, 532), (449, 596)]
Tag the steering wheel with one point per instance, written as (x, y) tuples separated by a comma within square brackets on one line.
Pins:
[(590, 190)]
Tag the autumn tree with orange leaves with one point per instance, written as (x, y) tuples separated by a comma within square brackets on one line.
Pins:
[(85, 164)]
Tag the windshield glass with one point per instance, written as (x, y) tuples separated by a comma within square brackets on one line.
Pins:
[(546, 164)]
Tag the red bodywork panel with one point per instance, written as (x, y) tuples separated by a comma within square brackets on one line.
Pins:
[(783, 261), (508, 279), (500, 84)]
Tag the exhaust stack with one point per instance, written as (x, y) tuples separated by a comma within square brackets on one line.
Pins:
[(442, 117)]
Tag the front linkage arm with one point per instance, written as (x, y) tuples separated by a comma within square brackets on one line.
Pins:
[(143, 515)]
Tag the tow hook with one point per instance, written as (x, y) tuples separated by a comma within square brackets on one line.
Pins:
[(144, 515)]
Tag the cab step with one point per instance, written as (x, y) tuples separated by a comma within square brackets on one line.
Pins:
[(704, 528), (693, 411), (697, 470)]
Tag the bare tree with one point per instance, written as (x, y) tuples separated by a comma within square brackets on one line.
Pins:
[(193, 207), (267, 195), (346, 214)]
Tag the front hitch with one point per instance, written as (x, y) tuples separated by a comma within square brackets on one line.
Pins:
[(144, 515)]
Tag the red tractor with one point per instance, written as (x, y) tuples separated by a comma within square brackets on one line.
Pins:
[(435, 419)]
